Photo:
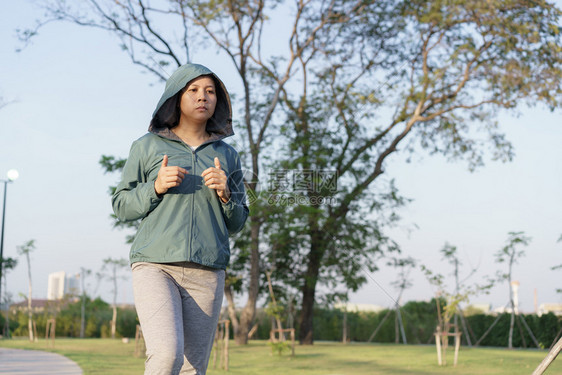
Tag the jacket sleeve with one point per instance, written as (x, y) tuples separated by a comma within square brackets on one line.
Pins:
[(236, 211), (134, 197)]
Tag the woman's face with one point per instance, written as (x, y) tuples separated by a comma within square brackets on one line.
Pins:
[(198, 102)]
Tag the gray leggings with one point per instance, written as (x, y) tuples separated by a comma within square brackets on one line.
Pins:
[(178, 306)]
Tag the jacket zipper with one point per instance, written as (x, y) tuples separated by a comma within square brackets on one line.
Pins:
[(193, 168)]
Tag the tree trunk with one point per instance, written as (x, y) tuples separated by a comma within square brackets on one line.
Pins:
[(83, 318), (231, 308), (344, 333), (83, 305), (401, 324), (29, 301), (114, 321), (307, 313), (309, 290), (249, 311), (510, 339), (30, 322)]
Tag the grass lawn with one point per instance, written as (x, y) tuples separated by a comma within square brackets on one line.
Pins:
[(105, 356)]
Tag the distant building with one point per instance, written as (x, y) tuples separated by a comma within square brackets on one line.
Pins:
[(61, 285), (37, 305), (358, 307), (555, 308), (478, 308)]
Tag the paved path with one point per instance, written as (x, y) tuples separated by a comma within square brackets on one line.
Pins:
[(35, 362)]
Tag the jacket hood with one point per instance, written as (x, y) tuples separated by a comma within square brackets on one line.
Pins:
[(220, 124)]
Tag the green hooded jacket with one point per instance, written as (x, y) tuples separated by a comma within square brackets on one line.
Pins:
[(188, 223)]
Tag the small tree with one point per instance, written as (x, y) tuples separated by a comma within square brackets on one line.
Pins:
[(110, 270), (83, 273), (402, 282), (26, 249), (462, 292), (510, 254)]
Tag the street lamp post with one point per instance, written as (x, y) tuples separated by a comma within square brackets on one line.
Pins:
[(12, 175)]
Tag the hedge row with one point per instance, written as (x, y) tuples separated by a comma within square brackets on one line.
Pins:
[(419, 318), (98, 316), (420, 321)]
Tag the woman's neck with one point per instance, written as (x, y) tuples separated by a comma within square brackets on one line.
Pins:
[(193, 136)]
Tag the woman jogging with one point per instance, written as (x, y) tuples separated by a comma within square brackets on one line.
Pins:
[(186, 186)]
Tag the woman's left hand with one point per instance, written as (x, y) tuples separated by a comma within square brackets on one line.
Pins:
[(215, 178)]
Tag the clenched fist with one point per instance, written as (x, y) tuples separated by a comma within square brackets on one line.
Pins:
[(216, 179), (168, 177)]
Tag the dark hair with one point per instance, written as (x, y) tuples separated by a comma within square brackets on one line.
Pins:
[(168, 116)]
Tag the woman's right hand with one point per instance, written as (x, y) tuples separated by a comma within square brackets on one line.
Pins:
[(168, 177)]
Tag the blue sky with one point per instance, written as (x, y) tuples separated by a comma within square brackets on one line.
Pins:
[(77, 96)]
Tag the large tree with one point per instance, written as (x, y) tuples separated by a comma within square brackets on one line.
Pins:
[(357, 81), (414, 75)]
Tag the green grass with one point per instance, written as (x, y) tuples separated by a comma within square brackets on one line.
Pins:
[(105, 356)]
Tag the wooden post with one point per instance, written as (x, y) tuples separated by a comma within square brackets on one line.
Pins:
[(441, 343), (252, 331), (139, 342), (292, 342), (272, 339), (222, 336), (444, 344), (457, 346), (549, 358), (50, 332), (438, 345), (217, 338), (281, 332), (35, 338), (226, 338)]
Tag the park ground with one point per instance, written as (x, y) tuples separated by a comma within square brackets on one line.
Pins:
[(106, 356)]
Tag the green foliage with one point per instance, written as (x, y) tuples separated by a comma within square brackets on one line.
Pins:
[(420, 320), (111, 163), (510, 253), (26, 248), (67, 315), (12, 325), (544, 328), (8, 264), (274, 311), (280, 347)]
